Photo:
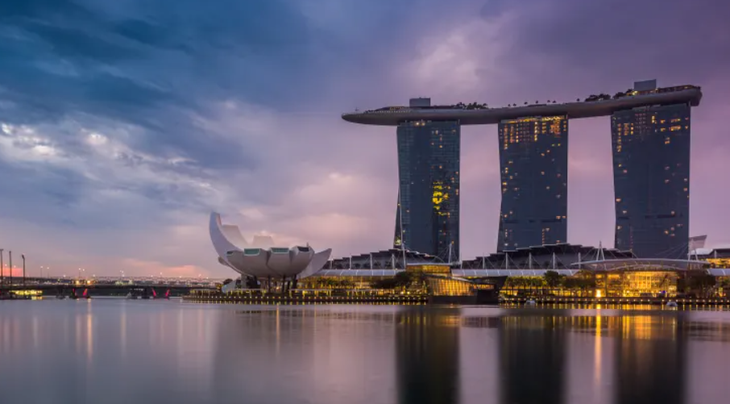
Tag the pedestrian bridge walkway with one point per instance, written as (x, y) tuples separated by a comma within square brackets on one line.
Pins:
[(466, 273)]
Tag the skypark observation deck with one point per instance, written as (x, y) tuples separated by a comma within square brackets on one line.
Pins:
[(483, 116)]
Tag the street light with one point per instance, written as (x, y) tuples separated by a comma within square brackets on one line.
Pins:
[(23, 257), (10, 258), (2, 274)]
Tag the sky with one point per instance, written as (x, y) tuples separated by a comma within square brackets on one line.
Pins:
[(123, 124)]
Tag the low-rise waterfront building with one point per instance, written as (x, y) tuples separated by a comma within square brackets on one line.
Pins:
[(552, 270)]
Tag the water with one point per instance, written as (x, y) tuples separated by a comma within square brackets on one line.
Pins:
[(121, 351)]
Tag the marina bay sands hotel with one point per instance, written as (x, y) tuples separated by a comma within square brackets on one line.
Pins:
[(650, 136)]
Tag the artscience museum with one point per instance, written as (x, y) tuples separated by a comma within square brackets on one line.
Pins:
[(262, 258)]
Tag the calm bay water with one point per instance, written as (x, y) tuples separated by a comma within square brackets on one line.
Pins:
[(120, 351)]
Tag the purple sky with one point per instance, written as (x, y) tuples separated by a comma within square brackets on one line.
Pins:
[(125, 123)]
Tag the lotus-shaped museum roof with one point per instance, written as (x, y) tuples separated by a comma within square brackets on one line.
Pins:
[(261, 257)]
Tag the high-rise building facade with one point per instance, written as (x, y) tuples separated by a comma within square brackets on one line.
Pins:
[(651, 149), (427, 217), (533, 156)]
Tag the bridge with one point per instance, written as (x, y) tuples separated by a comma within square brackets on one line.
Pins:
[(107, 286)]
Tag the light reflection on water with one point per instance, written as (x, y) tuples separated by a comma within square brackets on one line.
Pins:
[(120, 351)]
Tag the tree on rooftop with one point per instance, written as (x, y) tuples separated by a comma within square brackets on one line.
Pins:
[(553, 279)]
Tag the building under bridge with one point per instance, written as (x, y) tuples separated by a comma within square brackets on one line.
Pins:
[(613, 272)]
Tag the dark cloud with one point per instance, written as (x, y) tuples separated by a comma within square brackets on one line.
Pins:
[(154, 72), (493, 9), (604, 41)]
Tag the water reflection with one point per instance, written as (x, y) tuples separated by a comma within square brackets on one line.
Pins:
[(532, 359), (651, 360), (427, 355), (122, 351)]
